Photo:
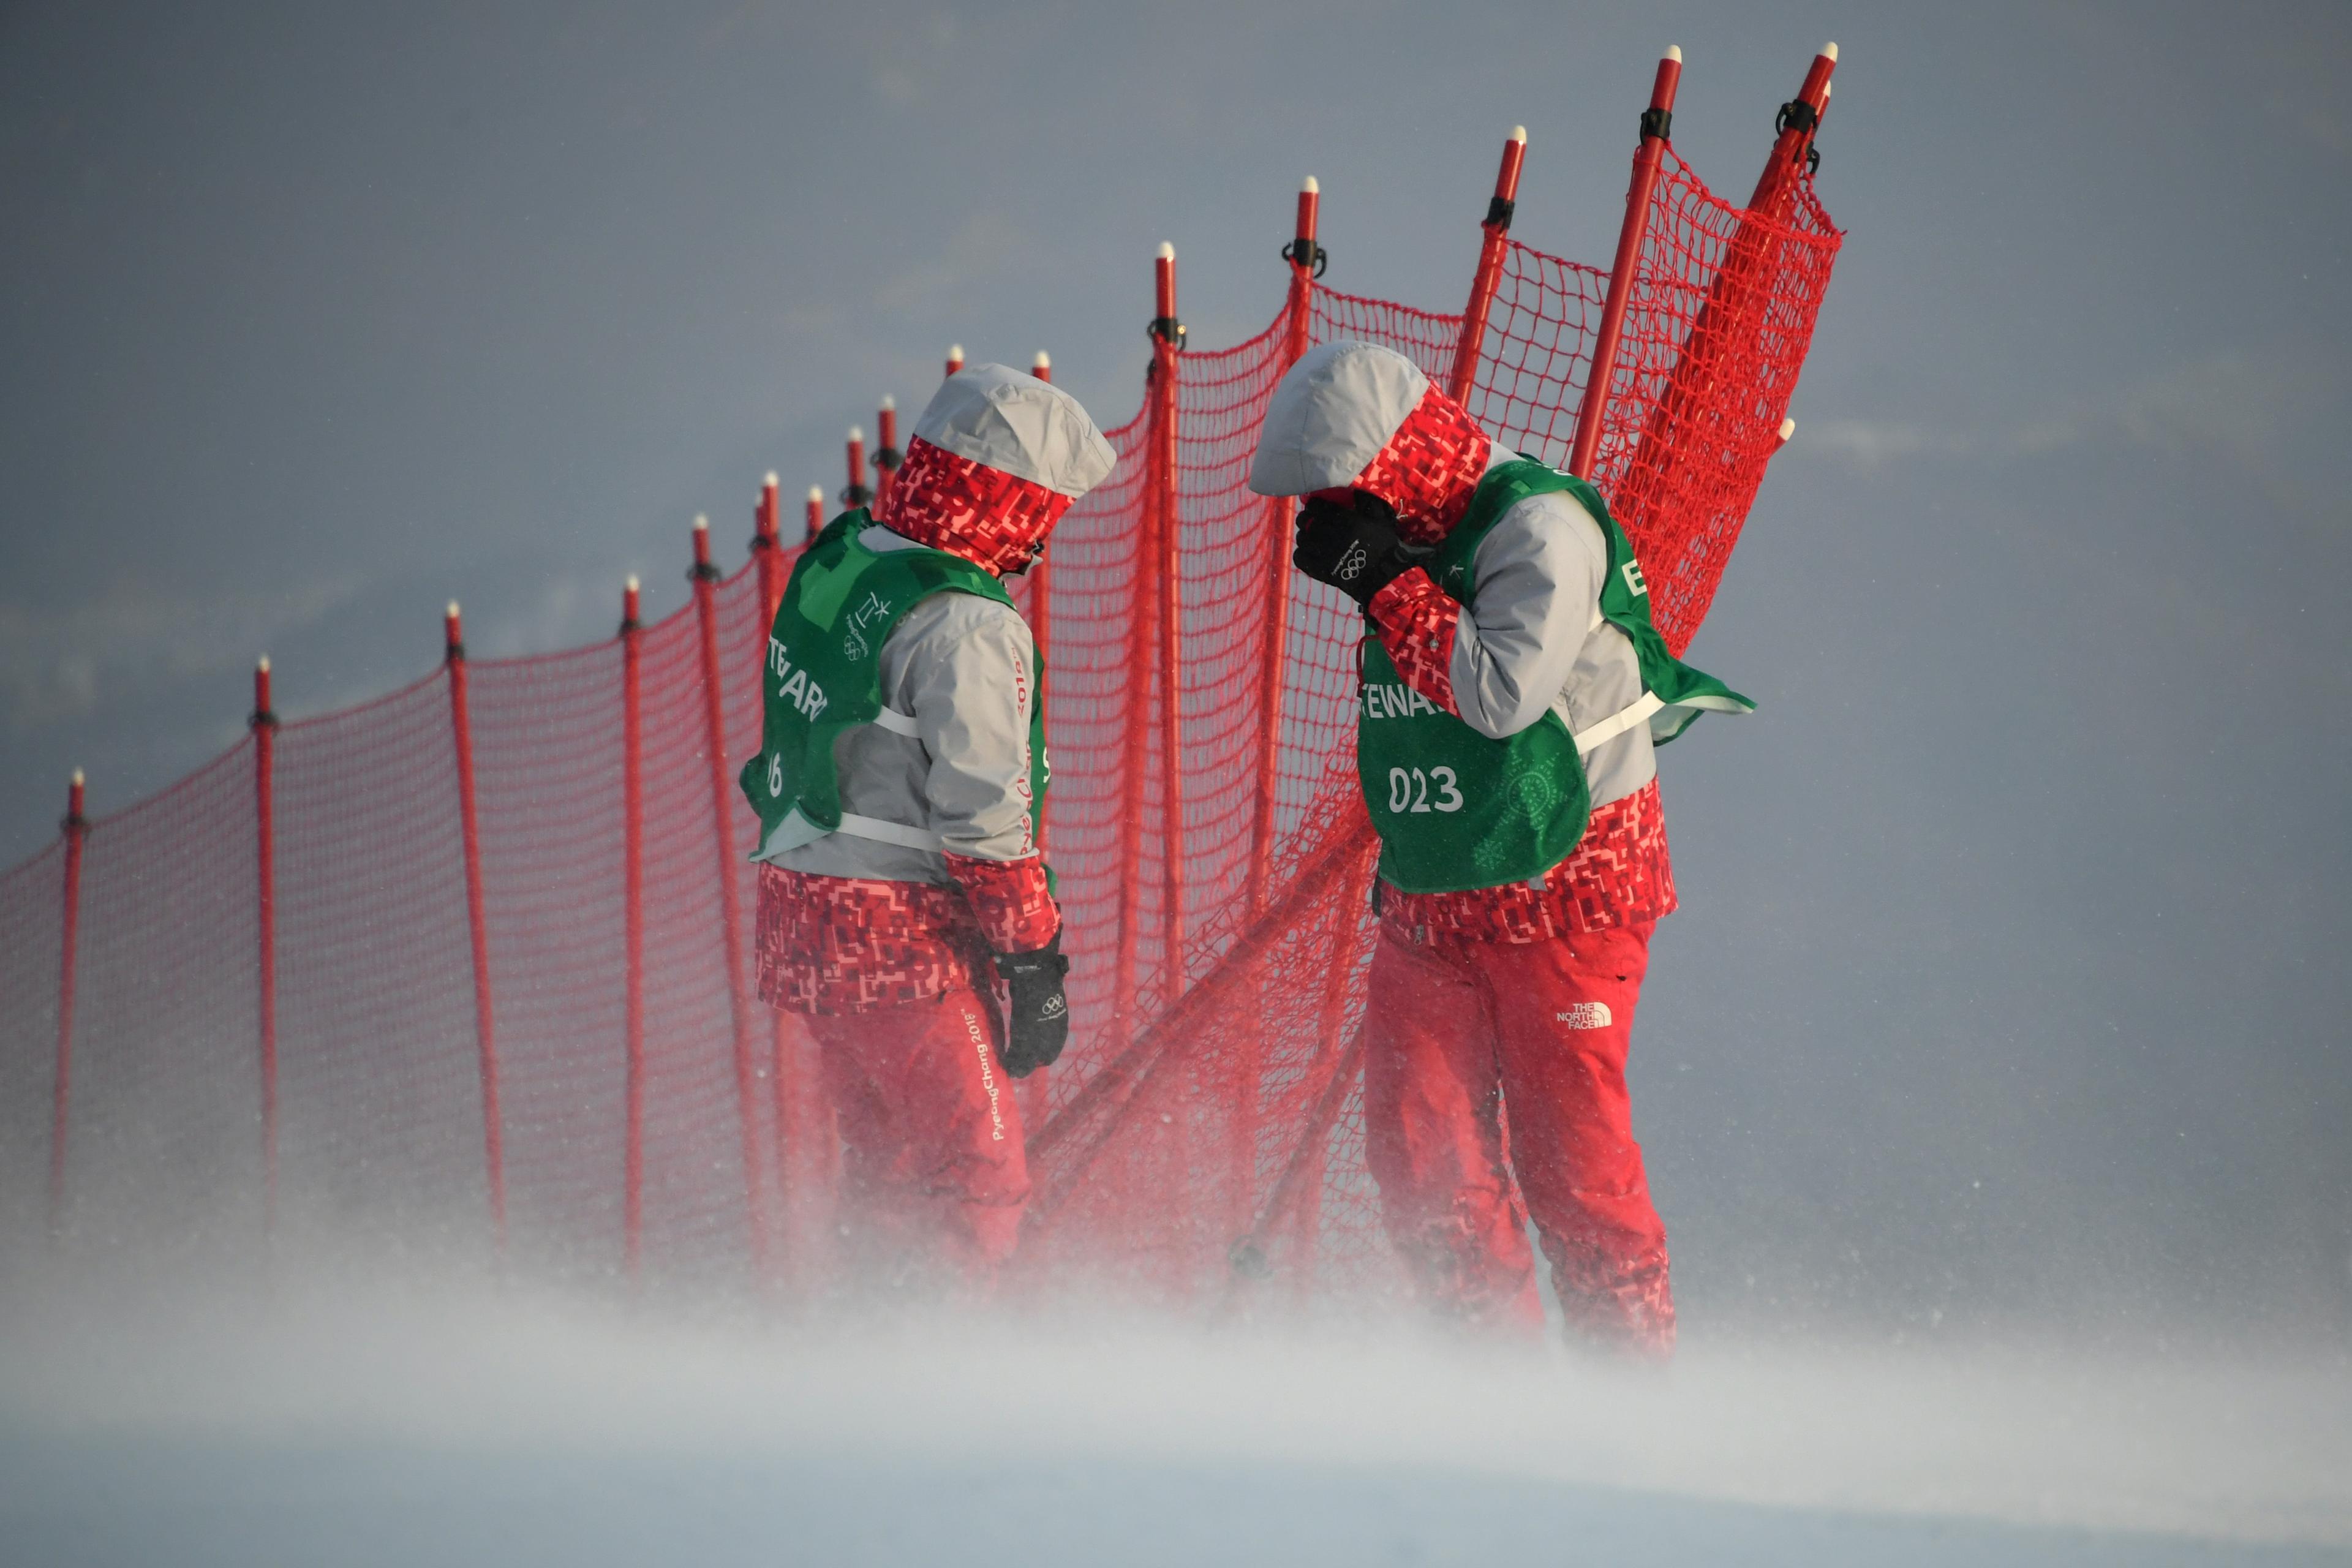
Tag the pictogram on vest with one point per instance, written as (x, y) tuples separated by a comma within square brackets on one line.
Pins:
[(1457, 810), (823, 676)]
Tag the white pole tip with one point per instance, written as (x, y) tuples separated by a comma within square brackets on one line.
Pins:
[(262, 664), (1167, 252), (1307, 187), (1829, 52), (1042, 361), (955, 351), (816, 494), (77, 779), (1788, 428), (1674, 53), (857, 432), (702, 523), (631, 583), (1518, 133), (452, 611), (890, 404), (769, 482)]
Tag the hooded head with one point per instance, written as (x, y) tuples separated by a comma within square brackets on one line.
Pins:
[(993, 465), (1360, 416)]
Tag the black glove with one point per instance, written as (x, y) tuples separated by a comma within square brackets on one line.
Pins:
[(1037, 1017), (1350, 544)]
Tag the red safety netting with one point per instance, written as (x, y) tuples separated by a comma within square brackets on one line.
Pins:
[(1202, 1129)]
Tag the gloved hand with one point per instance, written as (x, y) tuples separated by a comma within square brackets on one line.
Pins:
[(1038, 1015), (1350, 544)]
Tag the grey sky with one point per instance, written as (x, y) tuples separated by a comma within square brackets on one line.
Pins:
[(2008, 976)]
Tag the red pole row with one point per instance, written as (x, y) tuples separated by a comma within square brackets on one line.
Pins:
[(1657, 123), (461, 725)]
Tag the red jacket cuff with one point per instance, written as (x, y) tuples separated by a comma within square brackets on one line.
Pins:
[(1016, 914), (1417, 621)]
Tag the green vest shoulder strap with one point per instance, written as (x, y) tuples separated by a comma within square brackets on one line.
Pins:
[(821, 676)]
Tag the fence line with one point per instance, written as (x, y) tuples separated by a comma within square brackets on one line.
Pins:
[(620, 1093)]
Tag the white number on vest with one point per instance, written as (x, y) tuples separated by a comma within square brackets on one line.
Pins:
[(1409, 790), (775, 774)]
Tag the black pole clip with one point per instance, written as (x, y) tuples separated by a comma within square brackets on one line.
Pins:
[(888, 459), (1796, 115), (1305, 252), (856, 496), (1499, 213), (1657, 122), (262, 719), (1169, 331)]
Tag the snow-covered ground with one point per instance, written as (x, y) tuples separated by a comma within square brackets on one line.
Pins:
[(412, 1425)]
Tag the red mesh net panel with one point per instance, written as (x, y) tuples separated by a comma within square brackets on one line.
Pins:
[(1726, 314), (380, 1112), (1201, 1141), (32, 927)]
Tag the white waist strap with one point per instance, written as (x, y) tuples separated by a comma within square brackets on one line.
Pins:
[(898, 723), (883, 832), (1617, 723)]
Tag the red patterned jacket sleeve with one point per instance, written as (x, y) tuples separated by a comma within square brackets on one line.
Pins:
[(1416, 619), (1016, 914)]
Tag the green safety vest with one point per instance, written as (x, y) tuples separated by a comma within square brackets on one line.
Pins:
[(823, 676), (1456, 810)]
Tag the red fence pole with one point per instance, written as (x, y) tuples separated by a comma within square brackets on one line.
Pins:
[(76, 828), (815, 525), (632, 938), (1658, 124), (461, 724), (1483, 282), (886, 457), (1799, 119), (1041, 587), (264, 724), (955, 358), (1167, 341), (855, 493), (1041, 632), (1307, 260), (730, 911)]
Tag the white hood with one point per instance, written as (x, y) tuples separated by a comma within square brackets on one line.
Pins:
[(995, 415), (1330, 416)]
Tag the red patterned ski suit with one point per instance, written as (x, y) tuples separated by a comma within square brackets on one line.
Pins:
[(1500, 1017), (883, 943)]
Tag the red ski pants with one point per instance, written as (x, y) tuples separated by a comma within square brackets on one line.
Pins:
[(933, 1175), (1484, 1060)]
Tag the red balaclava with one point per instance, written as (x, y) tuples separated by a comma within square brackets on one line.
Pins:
[(989, 517), (1429, 468)]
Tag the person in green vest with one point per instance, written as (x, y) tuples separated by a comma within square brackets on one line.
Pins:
[(1512, 693), (900, 775)]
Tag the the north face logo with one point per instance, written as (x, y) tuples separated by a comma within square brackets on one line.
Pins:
[(1586, 1015)]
